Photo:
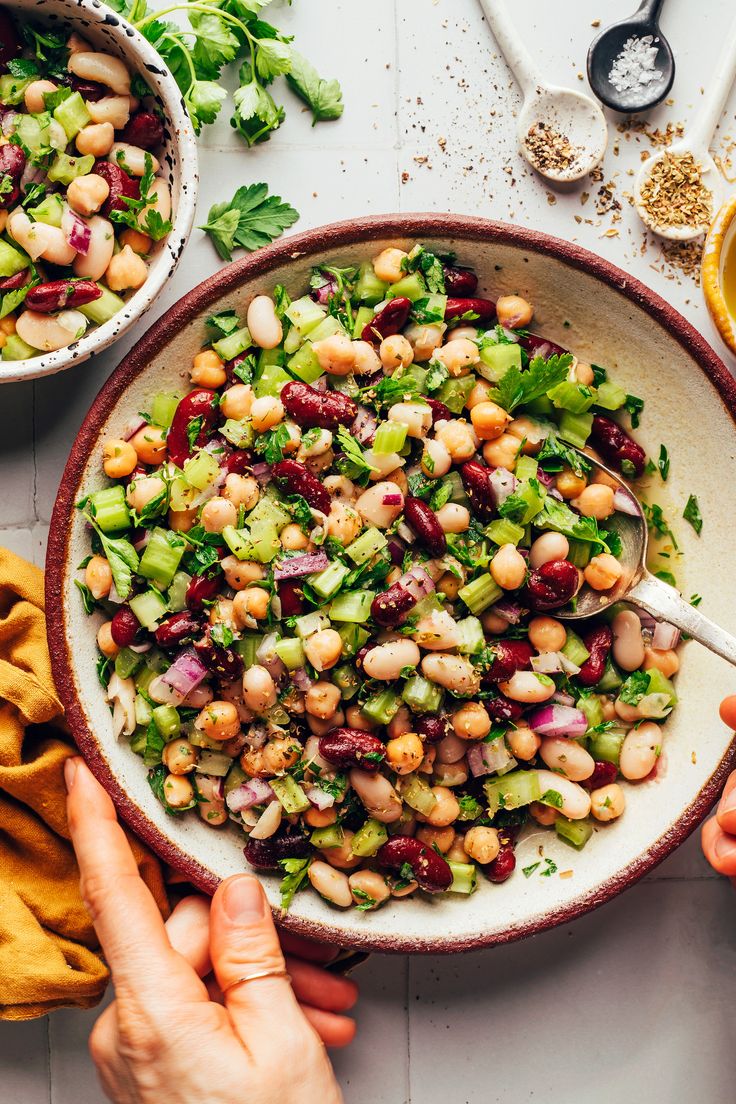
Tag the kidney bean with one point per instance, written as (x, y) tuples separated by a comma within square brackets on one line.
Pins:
[(510, 656), (12, 283), (603, 775), (297, 480), (460, 282), (391, 320), (222, 661), (351, 747), (551, 585), (177, 628), (144, 129), (121, 186), (324, 409), (599, 642), (12, 164), (503, 865), (476, 479), (88, 89), (431, 872), (484, 308), (616, 447), (423, 522), (124, 627), (264, 854), (537, 346), (391, 608), (10, 43), (431, 729), (59, 295), (197, 404), (203, 588), (238, 462), (501, 709), (440, 412), (292, 599)]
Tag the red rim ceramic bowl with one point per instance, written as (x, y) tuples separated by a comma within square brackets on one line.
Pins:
[(601, 314)]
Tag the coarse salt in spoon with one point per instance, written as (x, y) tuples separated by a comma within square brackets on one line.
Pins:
[(679, 190), (630, 63), (562, 133)]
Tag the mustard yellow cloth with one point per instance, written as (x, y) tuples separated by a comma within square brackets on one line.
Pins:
[(49, 955)]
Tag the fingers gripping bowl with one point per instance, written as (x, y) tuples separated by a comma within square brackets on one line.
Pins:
[(619, 329)]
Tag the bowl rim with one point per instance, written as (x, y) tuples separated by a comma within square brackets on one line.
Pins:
[(131, 43), (711, 271), (320, 241)]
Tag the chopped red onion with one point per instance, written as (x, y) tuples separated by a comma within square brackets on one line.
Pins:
[(665, 636), (301, 679), (489, 756), (625, 503), (364, 427), (141, 541), (510, 610), (256, 736), (396, 548), (405, 533), (185, 673), (320, 384), (547, 663), (558, 720), (266, 655), (139, 649), (76, 231), (503, 484), (319, 797), (8, 122), (547, 479), (262, 473), (568, 666), (298, 566), (418, 583), (133, 426), (562, 698), (393, 499), (655, 706), (211, 787), (256, 791)]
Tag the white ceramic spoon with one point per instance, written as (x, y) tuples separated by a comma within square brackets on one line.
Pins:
[(697, 142), (570, 113)]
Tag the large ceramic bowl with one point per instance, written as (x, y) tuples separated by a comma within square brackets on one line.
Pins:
[(113, 35), (602, 314)]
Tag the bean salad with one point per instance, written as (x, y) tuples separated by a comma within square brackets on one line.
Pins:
[(328, 573), (82, 201)]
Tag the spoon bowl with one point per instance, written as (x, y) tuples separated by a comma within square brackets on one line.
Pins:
[(570, 124), (608, 46), (712, 180)]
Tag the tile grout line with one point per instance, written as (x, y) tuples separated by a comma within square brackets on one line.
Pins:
[(407, 1005), (48, 1056), (34, 456)]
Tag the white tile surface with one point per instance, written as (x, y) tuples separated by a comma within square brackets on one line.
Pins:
[(634, 1002)]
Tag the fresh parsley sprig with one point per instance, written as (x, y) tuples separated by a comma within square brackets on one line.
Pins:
[(516, 388), (252, 218)]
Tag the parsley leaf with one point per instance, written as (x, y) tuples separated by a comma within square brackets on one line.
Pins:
[(323, 97), (22, 68), (203, 100), (555, 453), (222, 634), (560, 518), (88, 599), (352, 463), (516, 388), (635, 687), (634, 405), (222, 223), (551, 869), (429, 265), (366, 901), (122, 557), (663, 463), (225, 323), (251, 219), (692, 514), (142, 213), (271, 444), (295, 875), (437, 373), (389, 390), (529, 870)]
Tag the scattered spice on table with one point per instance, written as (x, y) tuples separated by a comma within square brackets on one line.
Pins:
[(634, 68), (674, 193), (548, 149)]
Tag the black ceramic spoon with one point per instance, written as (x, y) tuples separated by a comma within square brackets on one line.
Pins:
[(609, 44)]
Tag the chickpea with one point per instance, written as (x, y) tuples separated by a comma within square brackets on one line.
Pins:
[(502, 452), (105, 642), (322, 700), (96, 139), (179, 757), (120, 458), (266, 412), (508, 567), (356, 718), (523, 742), (603, 572), (665, 661), (481, 393), (320, 818), (367, 360), (344, 523), (449, 585), (335, 354), (34, 94), (458, 356), (320, 727), (453, 518), (323, 649), (387, 265), (98, 577), (405, 753), (513, 312), (249, 605), (143, 490), (212, 813), (582, 373), (181, 521), (550, 546), (222, 612), (595, 501), (547, 634), (178, 791), (608, 802), (219, 720), (436, 460), (126, 270), (138, 242), (489, 420), (208, 370), (459, 439), (493, 623), (482, 844), (445, 811), (238, 573), (545, 815), (369, 889), (259, 689), (8, 324), (315, 443), (471, 721), (424, 340), (395, 352), (217, 514), (441, 838), (569, 484), (241, 490), (86, 194), (150, 444), (527, 431), (606, 479), (281, 753)]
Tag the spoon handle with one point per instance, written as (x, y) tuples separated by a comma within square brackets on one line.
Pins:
[(512, 46), (700, 133), (664, 603), (649, 10)]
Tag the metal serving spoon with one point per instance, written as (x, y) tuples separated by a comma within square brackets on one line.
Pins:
[(697, 143), (638, 586), (608, 45), (547, 108)]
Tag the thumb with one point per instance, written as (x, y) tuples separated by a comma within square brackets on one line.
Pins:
[(243, 942)]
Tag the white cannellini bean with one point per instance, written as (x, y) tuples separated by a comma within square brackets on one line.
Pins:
[(451, 749), (379, 797), (331, 884), (58, 251), (453, 672), (42, 331), (575, 800), (121, 695), (161, 203), (437, 632), (527, 686), (550, 546), (102, 68), (265, 327), (384, 463), (268, 822), (132, 159), (417, 417), (93, 264), (640, 751), (567, 757), (453, 518), (387, 661), (110, 109), (371, 508), (74, 322), (628, 646), (34, 237)]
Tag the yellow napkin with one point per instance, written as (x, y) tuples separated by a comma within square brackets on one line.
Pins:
[(49, 956)]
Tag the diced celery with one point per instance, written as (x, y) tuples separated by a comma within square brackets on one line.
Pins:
[(480, 593), (495, 361), (73, 115), (234, 778), (17, 349), (504, 531), (369, 838), (457, 491), (233, 344), (238, 541), (127, 663), (149, 607), (606, 746), (574, 649), (167, 721), (592, 708), (304, 364), (526, 467), (33, 131), (512, 791), (533, 494), (268, 357), (143, 711), (265, 541), (48, 211), (247, 647), (353, 638), (454, 393), (328, 327), (579, 553), (139, 740), (472, 638), (109, 509), (368, 288), (416, 373), (268, 509), (421, 695), (201, 469), (363, 316), (330, 836), (311, 623), (382, 707), (290, 794), (214, 762), (163, 407), (161, 557), (610, 396), (575, 428), (411, 286), (366, 545), (143, 679), (574, 397), (328, 582), (292, 341), (464, 877), (271, 380), (12, 89), (346, 680), (354, 605), (417, 793), (64, 168), (238, 433), (104, 308), (200, 740), (575, 832), (290, 651), (390, 437), (156, 661), (177, 593), (305, 314)]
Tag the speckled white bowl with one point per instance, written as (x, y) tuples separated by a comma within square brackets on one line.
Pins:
[(111, 34), (600, 313)]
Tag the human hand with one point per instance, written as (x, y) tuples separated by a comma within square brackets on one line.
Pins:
[(170, 1035), (718, 835)]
